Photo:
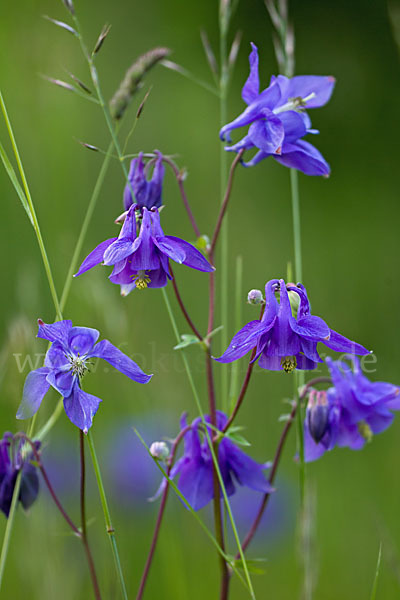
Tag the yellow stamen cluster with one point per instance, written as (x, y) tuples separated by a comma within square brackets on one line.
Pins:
[(289, 363), (142, 280), (365, 431)]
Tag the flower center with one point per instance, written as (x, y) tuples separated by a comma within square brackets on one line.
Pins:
[(141, 280), (365, 431), (294, 104), (289, 363), (78, 365)]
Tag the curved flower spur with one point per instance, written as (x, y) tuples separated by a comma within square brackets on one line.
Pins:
[(66, 362), (277, 119), (283, 341), (141, 252)]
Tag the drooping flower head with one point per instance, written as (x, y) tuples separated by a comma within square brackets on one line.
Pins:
[(284, 341), (147, 191), (66, 362), (195, 467), (277, 119), (350, 412), (141, 252), (12, 462)]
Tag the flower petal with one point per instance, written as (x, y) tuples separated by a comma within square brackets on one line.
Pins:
[(81, 408), (118, 251), (304, 157), (56, 357), (120, 361), (29, 486), (312, 328), (302, 86), (35, 388), (246, 470), (243, 341), (293, 124), (62, 381), (55, 332), (95, 257), (192, 257), (196, 483), (82, 339), (252, 86), (267, 133), (339, 343)]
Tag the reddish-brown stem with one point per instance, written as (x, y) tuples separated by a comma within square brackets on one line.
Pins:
[(160, 515), (277, 458), (225, 202), (85, 541), (48, 484), (183, 308), (179, 178)]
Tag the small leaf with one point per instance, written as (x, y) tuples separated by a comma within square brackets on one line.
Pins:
[(187, 340), (209, 53), (237, 438), (14, 180), (252, 564), (61, 24)]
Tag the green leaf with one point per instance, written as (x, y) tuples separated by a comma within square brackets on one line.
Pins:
[(14, 180), (187, 340), (237, 438), (252, 564)]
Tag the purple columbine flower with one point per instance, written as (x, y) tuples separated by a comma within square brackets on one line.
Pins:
[(284, 341), (147, 192), (66, 362), (277, 119), (353, 410), (140, 259), (12, 461), (195, 467)]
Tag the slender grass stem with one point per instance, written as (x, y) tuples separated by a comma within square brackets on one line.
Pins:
[(107, 517), (35, 221), (85, 540), (85, 225), (298, 270)]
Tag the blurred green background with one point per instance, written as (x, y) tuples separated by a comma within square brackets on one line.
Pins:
[(350, 226)]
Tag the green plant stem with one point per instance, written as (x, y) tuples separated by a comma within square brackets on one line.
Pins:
[(9, 527), (31, 208), (210, 444), (85, 226), (107, 517), (298, 271), (224, 268)]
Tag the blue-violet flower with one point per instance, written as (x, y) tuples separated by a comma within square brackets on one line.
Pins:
[(350, 412), (66, 362), (147, 192), (277, 119), (12, 461), (195, 467), (283, 341), (140, 259)]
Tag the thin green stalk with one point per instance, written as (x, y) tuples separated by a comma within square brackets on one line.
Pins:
[(298, 272), (234, 387), (224, 269), (85, 225), (107, 517), (294, 186), (210, 444), (31, 208), (377, 570), (9, 526)]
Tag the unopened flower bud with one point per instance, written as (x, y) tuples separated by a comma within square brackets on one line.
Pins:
[(159, 450), (255, 297), (318, 414)]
